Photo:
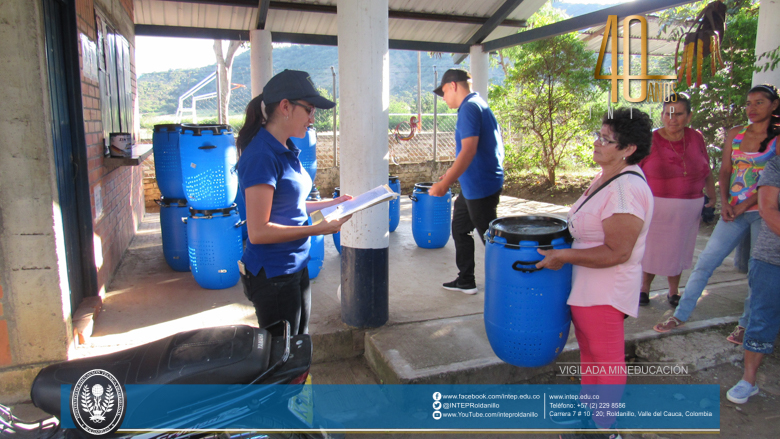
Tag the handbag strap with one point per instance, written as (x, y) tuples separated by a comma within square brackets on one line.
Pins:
[(605, 185)]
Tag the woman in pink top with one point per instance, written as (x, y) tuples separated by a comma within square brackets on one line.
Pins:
[(677, 171), (609, 224)]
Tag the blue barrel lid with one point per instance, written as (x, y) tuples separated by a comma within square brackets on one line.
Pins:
[(314, 195), (208, 213), (167, 127), (198, 130), (336, 192), (539, 228), (173, 202)]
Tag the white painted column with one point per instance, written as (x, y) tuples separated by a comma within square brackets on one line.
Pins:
[(767, 39), (480, 64), (364, 84), (261, 60)]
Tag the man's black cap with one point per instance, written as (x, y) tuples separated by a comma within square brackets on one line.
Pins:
[(293, 85), (453, 75)]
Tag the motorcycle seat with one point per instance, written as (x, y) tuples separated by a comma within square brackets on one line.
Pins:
[(220, 355)]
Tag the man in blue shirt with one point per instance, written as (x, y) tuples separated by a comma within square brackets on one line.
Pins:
[(478, 166)]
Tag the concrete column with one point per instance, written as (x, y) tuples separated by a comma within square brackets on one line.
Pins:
[(261, 59), (767, 39), (364, 102), (479, 70)]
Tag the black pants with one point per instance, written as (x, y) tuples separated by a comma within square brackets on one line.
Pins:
[(468, 215), (285, 297)]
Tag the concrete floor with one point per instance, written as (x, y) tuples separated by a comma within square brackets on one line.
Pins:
[(147, 300)]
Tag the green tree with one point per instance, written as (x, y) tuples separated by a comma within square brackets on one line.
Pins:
[(547, 84)]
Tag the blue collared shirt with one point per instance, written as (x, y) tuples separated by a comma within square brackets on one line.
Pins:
[(485, 174), (266, 161)]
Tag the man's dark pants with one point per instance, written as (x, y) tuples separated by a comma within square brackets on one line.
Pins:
[(468, 215)]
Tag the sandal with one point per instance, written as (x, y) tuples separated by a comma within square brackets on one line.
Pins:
[(673, 299), (737, 336), (670, 323)]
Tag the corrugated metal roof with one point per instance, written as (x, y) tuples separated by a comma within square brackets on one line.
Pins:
[(234, 17), (283, 18), (658, 43)]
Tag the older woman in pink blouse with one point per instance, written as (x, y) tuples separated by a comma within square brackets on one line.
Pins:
[(609, 224)]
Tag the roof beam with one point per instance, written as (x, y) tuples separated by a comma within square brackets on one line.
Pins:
[(283, 37), (328, 9), (638, 7), (493, 22), (262, 13)]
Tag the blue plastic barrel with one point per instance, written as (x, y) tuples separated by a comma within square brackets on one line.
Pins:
[(317, 249), (215, 246), (431, 217), (242, 213), (208, 159), (526, 316), (167, 161), (174, 232), (308, 155), (395, 203), (337, 236)]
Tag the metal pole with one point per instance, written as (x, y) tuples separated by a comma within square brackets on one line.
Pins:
[(419, 88), (219, 97), (435, 116), (335, 144)]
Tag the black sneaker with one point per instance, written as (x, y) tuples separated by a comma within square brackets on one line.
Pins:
[(644, 299), (464, 287)]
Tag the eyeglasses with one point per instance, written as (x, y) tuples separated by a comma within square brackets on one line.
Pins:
[(308, 109), (597, 137)]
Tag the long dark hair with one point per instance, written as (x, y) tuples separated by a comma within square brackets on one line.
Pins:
[(253, 121), (773, 129)]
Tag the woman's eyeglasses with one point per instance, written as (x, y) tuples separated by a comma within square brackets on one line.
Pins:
[(597, 137), (308, 109)]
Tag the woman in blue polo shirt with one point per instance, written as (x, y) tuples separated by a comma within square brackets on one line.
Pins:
[(275, 186)]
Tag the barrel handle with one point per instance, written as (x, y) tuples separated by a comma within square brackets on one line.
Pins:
[(207, 147), (412, 197), (240, 223), (517, 266), (159, 202), (184, 219)]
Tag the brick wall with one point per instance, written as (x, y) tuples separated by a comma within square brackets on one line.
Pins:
[(121, 188)]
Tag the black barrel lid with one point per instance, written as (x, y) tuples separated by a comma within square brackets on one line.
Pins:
[(173, 202), (225, 211), (393, 178), (167, 127), (539, 228), (423, 187), (197, 130)]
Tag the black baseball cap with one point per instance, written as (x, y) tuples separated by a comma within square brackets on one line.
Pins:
[(453, 75), (293, 85)]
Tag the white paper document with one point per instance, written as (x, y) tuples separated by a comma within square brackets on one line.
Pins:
[(375, 196)]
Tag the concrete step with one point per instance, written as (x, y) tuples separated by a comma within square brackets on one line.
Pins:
[(456, 350)]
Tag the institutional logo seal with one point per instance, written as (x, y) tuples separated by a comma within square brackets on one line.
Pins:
[(98, 403)]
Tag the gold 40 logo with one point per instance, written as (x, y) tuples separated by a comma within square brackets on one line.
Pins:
[(652, 91)]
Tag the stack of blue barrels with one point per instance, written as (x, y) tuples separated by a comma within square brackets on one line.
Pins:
[(173, 205), (200, 225)]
